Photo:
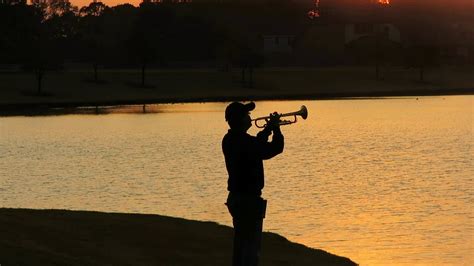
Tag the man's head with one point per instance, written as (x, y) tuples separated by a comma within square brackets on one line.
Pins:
[(237, 115)]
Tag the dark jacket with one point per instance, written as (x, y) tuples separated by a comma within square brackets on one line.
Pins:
[(244, 155)]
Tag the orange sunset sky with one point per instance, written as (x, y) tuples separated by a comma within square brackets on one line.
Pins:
[(107, 2), (465, 3), (468, 3)]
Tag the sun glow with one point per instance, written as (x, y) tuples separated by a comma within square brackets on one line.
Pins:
[(384, 2)]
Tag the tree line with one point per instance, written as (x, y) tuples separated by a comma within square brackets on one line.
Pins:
[(43, 35)]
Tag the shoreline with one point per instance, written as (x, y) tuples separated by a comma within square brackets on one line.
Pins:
[(72, 89), (74, 107), (63, 237)]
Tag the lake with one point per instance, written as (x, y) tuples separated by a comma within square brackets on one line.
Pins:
[(381, 181)]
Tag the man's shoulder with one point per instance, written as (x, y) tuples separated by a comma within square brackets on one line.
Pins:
[(237, 137)]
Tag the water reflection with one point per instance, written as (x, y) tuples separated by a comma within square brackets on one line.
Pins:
[(380, 181), (105, 109)]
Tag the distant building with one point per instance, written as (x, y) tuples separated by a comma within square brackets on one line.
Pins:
[(278, 43), (347, 43), (366, 43), (451, 43), (356, 31), (456, 45), (320, 44)]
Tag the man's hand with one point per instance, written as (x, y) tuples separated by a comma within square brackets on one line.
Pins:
[(274, 121)]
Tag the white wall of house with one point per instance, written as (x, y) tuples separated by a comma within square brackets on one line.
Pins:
[(278, 43)]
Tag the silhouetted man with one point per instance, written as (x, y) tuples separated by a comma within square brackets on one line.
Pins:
[(244, 155)]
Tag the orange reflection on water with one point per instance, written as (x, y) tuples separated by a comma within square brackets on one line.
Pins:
[(390, 172), (381, 181)]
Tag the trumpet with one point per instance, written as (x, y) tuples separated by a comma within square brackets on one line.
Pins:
[(303, 112)]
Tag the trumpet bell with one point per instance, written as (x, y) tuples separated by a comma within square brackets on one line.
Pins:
[(303, 112)]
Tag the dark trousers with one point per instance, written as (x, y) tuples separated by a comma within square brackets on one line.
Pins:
[(247, 216)]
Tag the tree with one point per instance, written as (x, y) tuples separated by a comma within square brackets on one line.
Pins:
[(421, 56), (51, 8), (24, 39), (92, 34), (421, 40), (380, 34), (94, 9), (150, 37), (248, 59), (54, 35), (12, 2), (12, 27)]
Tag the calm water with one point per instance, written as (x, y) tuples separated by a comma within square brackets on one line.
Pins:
[(382, 181)]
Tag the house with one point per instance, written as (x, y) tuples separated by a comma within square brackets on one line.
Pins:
[(356, 31), (278, 43), (347, 43), (456, 45), (320, 44), (366, 43), (451, 43)]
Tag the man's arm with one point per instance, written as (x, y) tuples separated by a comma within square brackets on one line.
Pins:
[(267, 150)]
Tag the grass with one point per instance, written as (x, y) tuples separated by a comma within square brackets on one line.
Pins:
[(59, 237), (123, 86)]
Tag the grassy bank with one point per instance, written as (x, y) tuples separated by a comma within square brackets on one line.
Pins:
[(74, 88), (57, 237)]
